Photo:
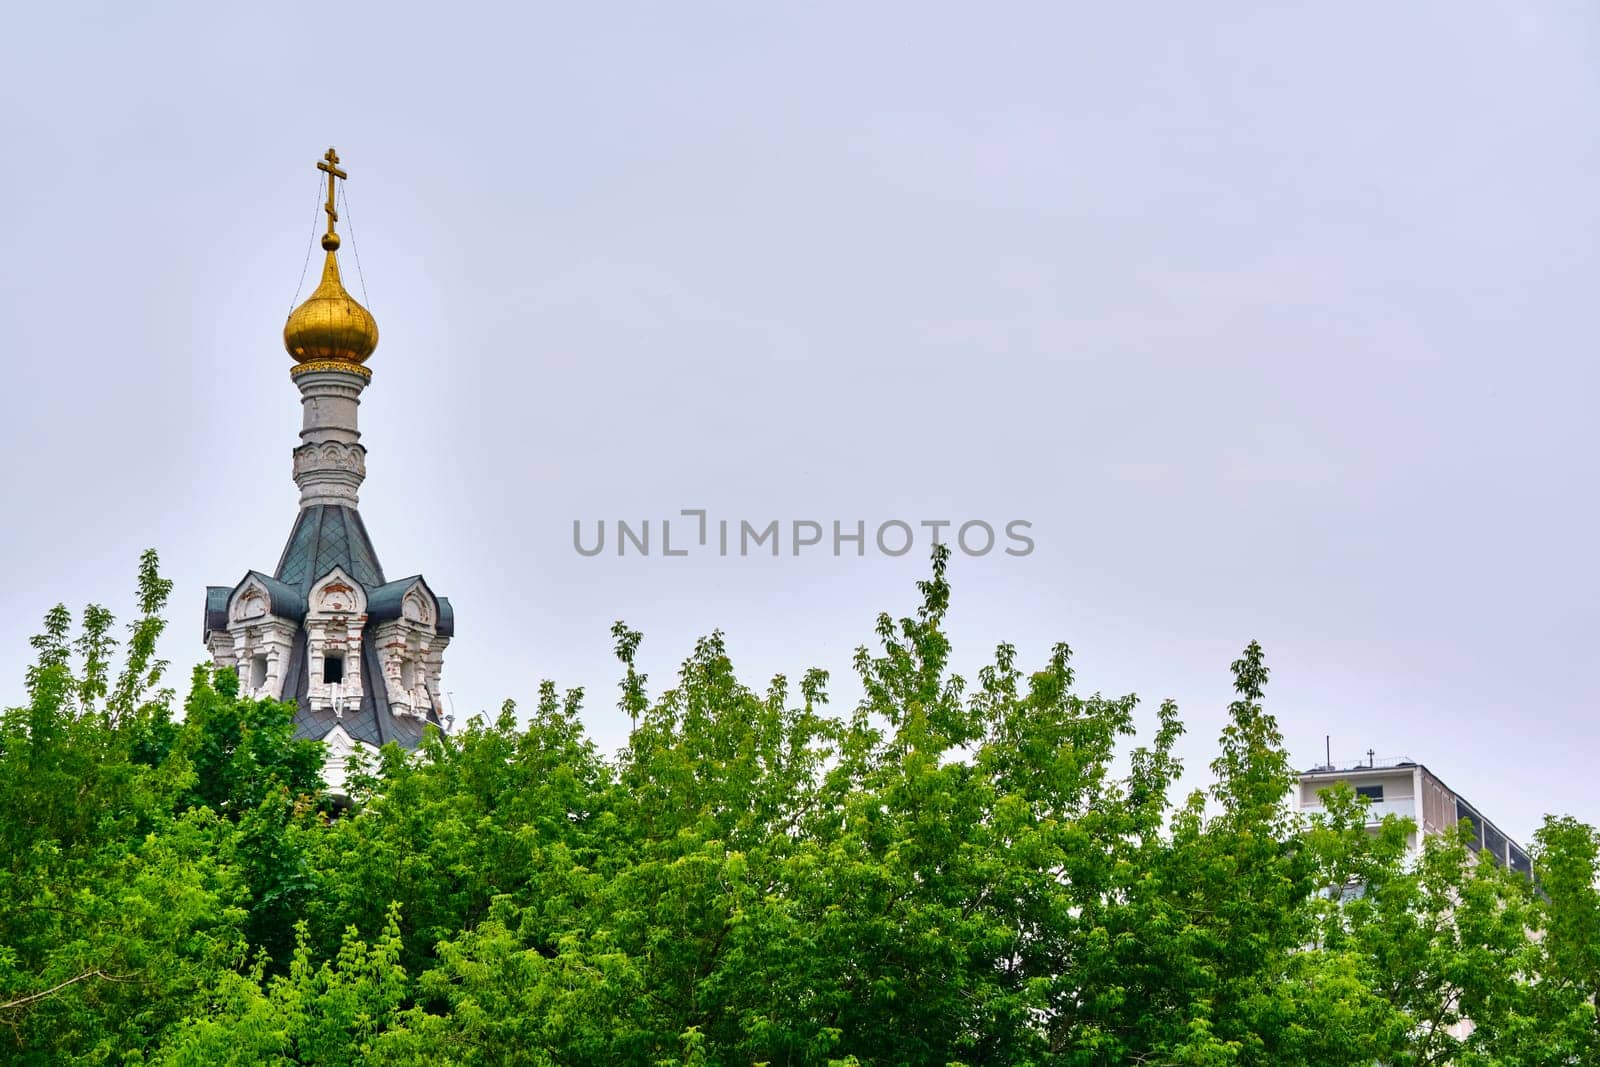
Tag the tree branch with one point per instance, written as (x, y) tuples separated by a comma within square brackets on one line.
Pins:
[(32, 997)]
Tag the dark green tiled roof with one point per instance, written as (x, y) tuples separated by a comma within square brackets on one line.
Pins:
[(326, 536), (384, 602), (286, 601), (216, 609)]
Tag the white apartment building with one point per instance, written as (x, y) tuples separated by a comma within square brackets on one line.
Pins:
[(1406, 788)]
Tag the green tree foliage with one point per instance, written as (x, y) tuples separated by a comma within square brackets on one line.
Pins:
[(990, 871), (118, 906)]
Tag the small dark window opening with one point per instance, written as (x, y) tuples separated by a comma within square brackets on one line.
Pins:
[(333, 669), (1373, 792)]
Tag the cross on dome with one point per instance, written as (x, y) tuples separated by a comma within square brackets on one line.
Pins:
[(330, 165)]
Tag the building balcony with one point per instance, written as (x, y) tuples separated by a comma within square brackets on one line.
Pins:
[(1403, 807)]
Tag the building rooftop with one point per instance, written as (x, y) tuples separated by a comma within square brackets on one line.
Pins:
[(1436, 811)]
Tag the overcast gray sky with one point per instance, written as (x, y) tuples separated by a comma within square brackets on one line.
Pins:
[(1275, 321)]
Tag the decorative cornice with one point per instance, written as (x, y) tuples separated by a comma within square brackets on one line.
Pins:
[(329, 456), (329, 364)]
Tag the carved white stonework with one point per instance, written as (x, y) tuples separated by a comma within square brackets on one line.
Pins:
[(329, 464), (256, 643), (411, 652), (252, 603), (340, 746), (416, 607), (433, 663), (267, 645), (336, 597), (220, 644), (336, 616)]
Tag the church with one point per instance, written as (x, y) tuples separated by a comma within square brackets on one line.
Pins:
[(360, 654)]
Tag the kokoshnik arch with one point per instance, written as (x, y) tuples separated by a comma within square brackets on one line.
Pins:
[(360, 655)]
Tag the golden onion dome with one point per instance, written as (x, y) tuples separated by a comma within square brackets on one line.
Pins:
[(330, 327)]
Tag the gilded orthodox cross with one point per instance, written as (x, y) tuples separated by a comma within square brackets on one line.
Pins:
[(330, 166)]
